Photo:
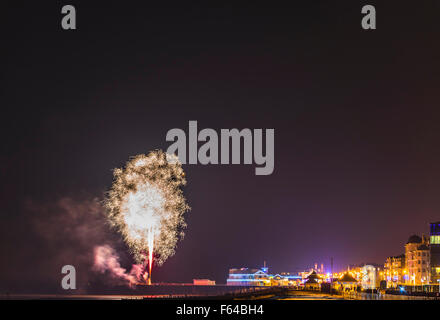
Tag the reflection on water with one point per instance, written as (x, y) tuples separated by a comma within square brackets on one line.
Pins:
[(298, 295), (310, 296)]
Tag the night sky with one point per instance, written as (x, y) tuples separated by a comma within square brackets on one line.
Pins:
[(356, 116)]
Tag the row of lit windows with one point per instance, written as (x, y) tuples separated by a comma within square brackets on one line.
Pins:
[(435, 240), (419, 254), (418, 270), (412, 264)]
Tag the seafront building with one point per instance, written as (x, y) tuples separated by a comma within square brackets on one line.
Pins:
[(260, 277), (203, 282), (346, 283), (419, 265), (417, 261), (247, 277), (416, 270), (395, 272), (434, 247)]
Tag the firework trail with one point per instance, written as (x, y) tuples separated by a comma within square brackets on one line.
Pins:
[(146, 205)]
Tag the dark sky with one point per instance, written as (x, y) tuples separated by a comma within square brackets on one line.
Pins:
[(356, 118)]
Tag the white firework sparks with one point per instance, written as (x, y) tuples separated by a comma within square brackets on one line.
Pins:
[(147, 206)]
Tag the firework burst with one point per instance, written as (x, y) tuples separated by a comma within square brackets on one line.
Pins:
[(147, 206)]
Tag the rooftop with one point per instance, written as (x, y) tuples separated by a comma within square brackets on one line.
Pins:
[(414, 239), (347, 278)]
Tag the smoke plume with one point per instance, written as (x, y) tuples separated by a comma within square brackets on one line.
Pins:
[(107, 261), (67, 231)]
